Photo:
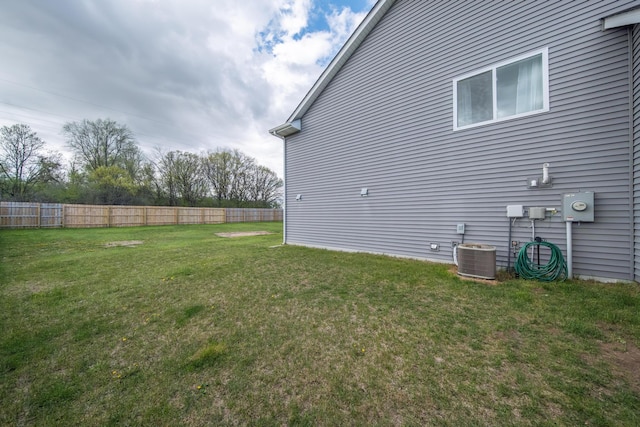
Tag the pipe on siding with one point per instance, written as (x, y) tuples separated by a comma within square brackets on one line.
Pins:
[(284, 185), (284, 191), (569, 251), (632, 234)]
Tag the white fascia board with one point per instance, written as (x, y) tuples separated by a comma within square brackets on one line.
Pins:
[(287, 129), (622, 19), (342, 57)]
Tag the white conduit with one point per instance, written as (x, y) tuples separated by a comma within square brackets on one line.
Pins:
[(569, 252), (533, 235)]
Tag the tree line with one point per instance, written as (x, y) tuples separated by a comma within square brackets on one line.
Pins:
[(109, 168)]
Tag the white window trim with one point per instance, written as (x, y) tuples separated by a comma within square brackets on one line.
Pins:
[(545, 89)]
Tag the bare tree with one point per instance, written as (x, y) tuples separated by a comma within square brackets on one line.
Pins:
[(166, 180), (241, 169), (22, 163), (228, 173), (265, 186), (180, 177), (236, 177), (102, 143), (217, 170), (188, 177)]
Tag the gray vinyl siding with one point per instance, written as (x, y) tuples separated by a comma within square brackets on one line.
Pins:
[(636, 146), (385, 122)]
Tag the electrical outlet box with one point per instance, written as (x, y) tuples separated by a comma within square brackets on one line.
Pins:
[(537, 213), (460, 228), (578, 207), (515, 211)]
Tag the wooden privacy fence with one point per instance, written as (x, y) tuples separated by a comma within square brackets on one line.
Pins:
[(51, 215)]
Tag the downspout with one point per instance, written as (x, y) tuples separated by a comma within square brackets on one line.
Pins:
[(284, 187), (284, 190), (632, 233)]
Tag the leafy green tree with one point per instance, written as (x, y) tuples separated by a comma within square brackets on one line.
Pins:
[(115, 168), (76, 185), (112, 185)]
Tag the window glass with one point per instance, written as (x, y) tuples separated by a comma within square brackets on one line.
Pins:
[(508, 89), (475, 99), (519, 87)]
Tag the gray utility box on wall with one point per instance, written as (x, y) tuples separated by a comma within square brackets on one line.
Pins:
[(578, 207), (537, 213)]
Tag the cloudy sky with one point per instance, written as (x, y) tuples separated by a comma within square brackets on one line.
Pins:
[(189, 75)]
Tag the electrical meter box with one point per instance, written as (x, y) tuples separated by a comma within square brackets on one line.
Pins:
[(578, 207)]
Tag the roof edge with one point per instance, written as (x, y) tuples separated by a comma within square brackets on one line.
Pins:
[(622, 19), (286, 129), (363, 30)]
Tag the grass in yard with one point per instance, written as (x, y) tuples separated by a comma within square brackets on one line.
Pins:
[(189, 328)]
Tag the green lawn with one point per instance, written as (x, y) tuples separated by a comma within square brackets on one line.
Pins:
[(189, 328)]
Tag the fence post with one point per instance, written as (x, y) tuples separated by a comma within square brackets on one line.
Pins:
[(38, 213)]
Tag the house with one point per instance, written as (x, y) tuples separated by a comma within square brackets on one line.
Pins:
[(437, 116)]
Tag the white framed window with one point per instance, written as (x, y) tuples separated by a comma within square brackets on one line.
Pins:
[(514, 88)]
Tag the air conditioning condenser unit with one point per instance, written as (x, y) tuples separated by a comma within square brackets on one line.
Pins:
[(477, 260)]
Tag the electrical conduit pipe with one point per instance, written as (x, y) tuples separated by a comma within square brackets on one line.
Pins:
[(569, 251)]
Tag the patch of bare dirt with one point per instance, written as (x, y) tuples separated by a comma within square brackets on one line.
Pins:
[(454, 270), (243, 234), (126, 243), (624, 356)]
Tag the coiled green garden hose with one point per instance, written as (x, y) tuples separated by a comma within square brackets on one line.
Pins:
[(555, 269)]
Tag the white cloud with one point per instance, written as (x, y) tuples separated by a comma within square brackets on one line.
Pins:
[(294, 16), (191, 75), (308, 50), (343, 23), (296, 62)]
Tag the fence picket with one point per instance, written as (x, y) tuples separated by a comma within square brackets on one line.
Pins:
[(52, 215)]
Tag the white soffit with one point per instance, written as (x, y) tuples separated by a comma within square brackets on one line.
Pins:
[(630, 17), (287, 129)]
